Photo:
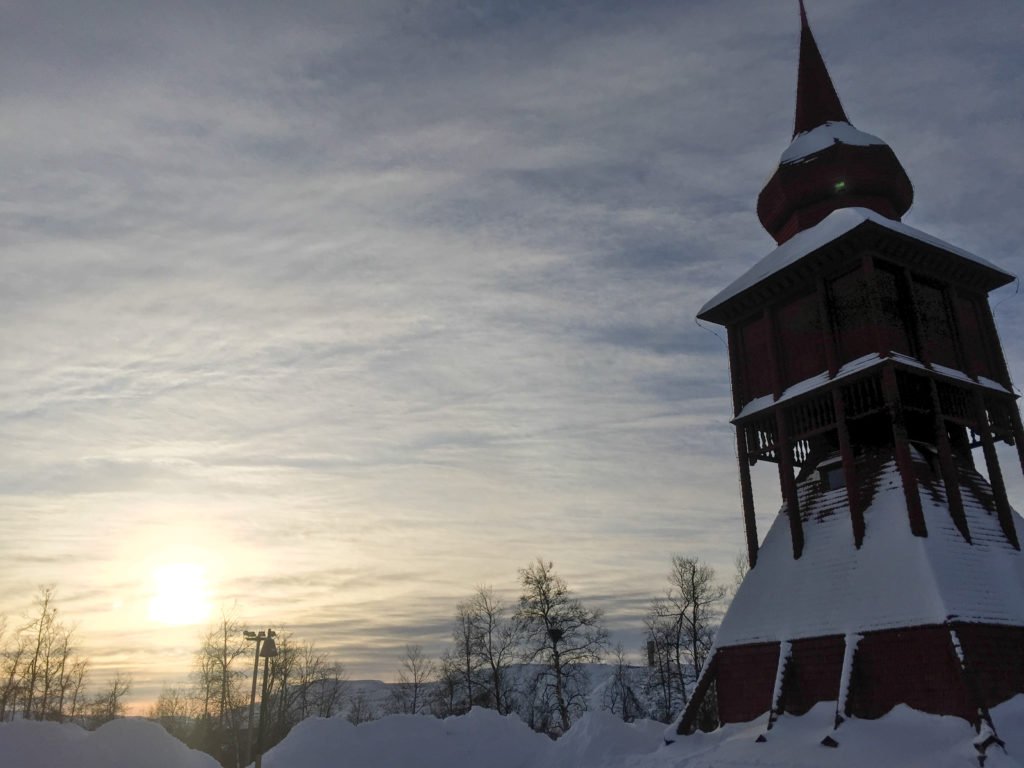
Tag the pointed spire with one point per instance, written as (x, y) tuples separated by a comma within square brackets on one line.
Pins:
[(816, 98), (830, 164)]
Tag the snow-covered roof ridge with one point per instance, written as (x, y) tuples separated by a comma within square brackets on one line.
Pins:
[(824, 136), (834, 226)]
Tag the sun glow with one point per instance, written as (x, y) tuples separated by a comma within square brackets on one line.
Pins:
[(180, 595)]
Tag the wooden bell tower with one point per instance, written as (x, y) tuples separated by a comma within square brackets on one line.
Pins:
[(866, 365)]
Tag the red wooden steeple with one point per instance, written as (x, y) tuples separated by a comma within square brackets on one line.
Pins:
[(830, 164), (866, 367), (816, 99)]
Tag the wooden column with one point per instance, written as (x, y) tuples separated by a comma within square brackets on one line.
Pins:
[(849, 467), (742, 454), (901, 450), (747, 492), (784, 452), (828, 333), (995, 473), (950, 476)]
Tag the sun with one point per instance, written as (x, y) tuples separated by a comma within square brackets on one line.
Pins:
[(179, 595)]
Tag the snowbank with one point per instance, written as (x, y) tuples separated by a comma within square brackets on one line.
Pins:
[(118, 744), (484, 739)]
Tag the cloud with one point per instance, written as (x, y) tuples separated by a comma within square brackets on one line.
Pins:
[(365, 304)]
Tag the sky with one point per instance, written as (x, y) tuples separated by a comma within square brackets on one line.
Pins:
[(325, 313)]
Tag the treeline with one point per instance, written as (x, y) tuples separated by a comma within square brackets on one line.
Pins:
[(532, 657), (42, 677), (529, 656)]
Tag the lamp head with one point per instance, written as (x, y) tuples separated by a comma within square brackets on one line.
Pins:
[(269, 649)]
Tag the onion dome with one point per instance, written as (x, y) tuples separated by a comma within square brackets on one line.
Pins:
[(830, 164)]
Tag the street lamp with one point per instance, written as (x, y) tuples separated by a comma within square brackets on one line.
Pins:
[(269, 648), (268, 651)]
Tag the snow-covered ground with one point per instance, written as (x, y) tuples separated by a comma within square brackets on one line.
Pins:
[(484, 739)]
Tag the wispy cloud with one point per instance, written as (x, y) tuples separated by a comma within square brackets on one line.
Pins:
[(362, 305)]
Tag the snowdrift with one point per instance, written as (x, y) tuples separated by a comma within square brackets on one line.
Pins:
[(484, 739)]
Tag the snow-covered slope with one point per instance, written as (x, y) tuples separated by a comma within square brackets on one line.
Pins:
[(484, 739), (895, 579)]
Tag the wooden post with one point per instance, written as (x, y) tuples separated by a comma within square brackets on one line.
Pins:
[(747, 492), (849, 468), (901, 450), (950, 476), (784, 452), (995, 473)]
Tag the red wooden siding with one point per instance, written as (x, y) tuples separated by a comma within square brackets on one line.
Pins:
[(800, 339), (975, 345), (937, 337), (894, 310), (755, 352), (746, 676), (852, 315), (815, 667), (996, 656), (916, 666)]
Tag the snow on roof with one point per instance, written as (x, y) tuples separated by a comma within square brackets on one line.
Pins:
[(856, 366), (894, 580), (834, 226), (823, 137), (812, 383)]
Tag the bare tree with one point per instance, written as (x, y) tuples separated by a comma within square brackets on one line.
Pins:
[(109, 704), (74, 693), (681, 629), (560, 633), (496, 643), (40, 628), (38, 666), (219, 671), (174, 710), (360, 710), (741, 567), (410, 694), (465, 655), (11, 664), (620, 697), (303, 683), (447, 696)]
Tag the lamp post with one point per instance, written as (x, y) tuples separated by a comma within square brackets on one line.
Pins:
[(269, 650), (258, 638)]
